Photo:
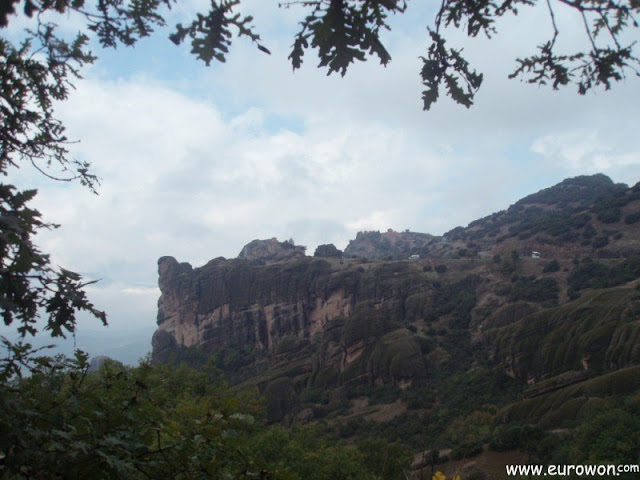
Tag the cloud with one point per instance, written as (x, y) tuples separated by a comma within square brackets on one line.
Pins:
[(179, 179), (587, 151), (129, 305), (199, 163)]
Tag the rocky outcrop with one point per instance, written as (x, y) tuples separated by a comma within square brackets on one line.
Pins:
[(327, 322), (239, 304), (97, 362), (267, 251), (374, 245), (327, 251)]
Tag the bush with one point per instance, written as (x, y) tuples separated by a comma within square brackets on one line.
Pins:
[(467, 450), (531, 290), (572, 294), (552, 266), (505, 437), (609, 215), (600, 242), (632, 218), (422, 398), (589, 232), (588, 274), (441, 268)]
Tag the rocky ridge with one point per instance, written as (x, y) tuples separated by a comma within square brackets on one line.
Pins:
[(474, 300)]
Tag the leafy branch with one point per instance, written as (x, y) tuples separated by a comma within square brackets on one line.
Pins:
[(604, 63), (211, 35), (343, 32)]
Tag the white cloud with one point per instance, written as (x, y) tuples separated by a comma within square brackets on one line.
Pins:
[(587, 151), (180, 180), (197, 165)]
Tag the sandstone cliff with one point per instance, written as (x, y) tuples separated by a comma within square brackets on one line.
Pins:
[(339, 314), (474, 301)]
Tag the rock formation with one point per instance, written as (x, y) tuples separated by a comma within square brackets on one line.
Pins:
[(374, 245), (284, 322), (268, 251), (282, 307)]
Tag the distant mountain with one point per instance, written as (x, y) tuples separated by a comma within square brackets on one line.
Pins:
[(575, 192), (127, 346)]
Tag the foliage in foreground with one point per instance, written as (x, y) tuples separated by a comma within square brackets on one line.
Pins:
[(147, 422), (161, 422), (167, 421)]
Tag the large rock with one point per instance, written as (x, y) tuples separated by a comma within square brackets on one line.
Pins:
[(272, 250), (374, 245), (245, 306), (319, 322)]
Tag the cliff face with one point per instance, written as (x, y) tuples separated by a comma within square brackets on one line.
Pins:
[(597, 333), (347, 319), (233, 303), (292, 324)]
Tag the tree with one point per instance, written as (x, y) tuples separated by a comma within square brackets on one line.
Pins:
[(148, 422), (344, 31)]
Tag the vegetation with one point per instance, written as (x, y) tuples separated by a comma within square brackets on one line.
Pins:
[(147, 422), (58, 420), (598, 330), (427, 380), (164, 422), (456, 299), (591, 274), (576, 203), (532, 290)]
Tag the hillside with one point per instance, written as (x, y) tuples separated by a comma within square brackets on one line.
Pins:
[(583, 216), (475, 332)]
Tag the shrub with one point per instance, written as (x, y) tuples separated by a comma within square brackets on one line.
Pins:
[(531, 290), (280, 399), (588, 274), (632, 218), (467, 450), (589, 232), (609, 215), (505, 437), (600, 242)]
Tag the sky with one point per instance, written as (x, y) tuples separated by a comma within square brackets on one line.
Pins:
[(196, 161)]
